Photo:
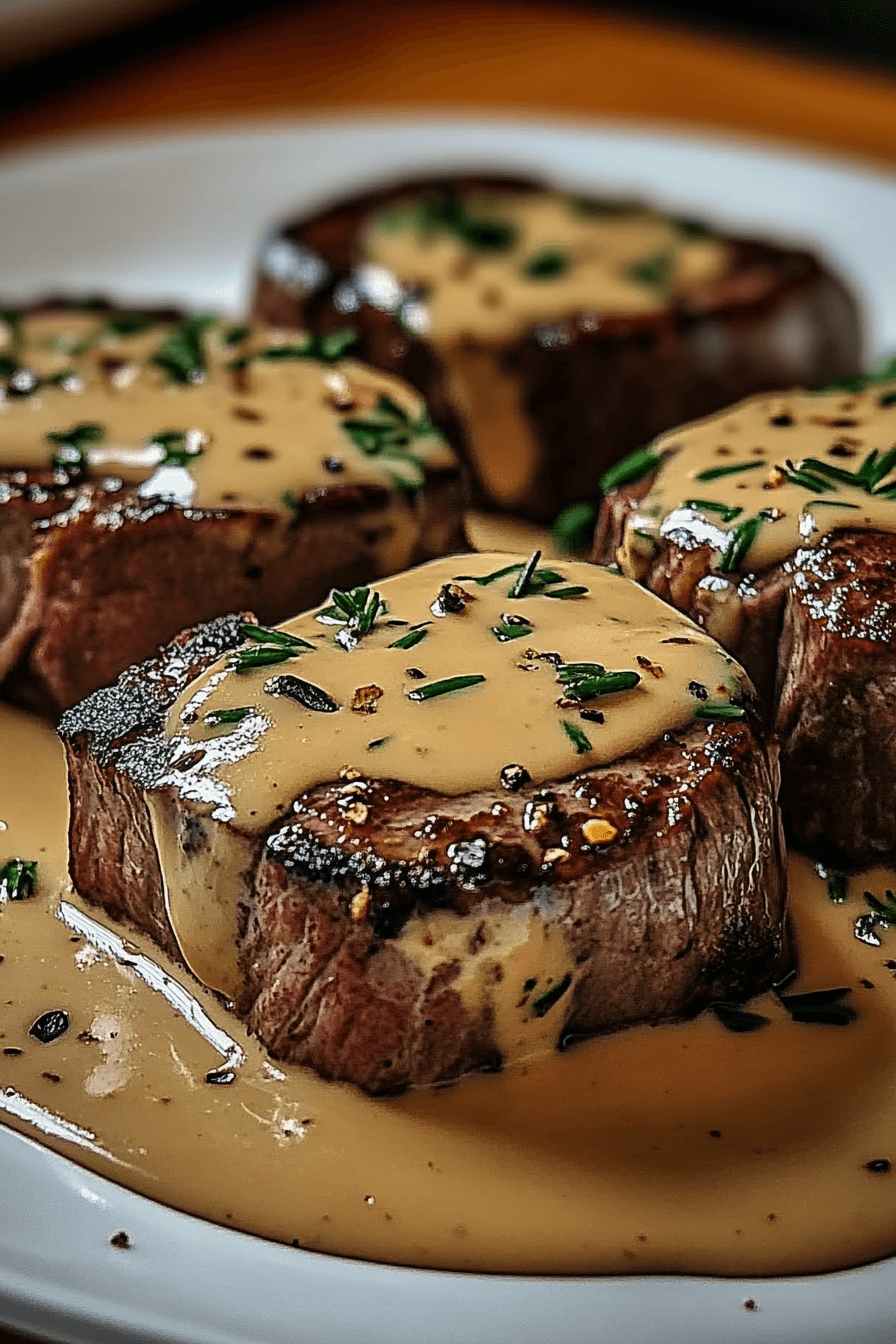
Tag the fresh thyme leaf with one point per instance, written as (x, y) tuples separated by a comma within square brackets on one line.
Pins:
[(264, 634), (433, 689), (573, 528), (545, 1002), (634, 467), (182, 353), (576, 737), (216, 717), (716, 473), (737, 1019), (520, 586), (18, 879), (740, 539), (654, 271), (722, 711), (410, 639), (546, 264), (727, 512)]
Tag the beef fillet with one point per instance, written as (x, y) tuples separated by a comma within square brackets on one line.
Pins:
[(541, 366)]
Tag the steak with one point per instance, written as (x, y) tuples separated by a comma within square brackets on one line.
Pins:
[(391, 934), (810, 612), (576, 382), (140, 493)]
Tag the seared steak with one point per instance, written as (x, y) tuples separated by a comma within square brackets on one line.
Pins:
[(388, 932), (551, 334), (809, 611), (154, 474)]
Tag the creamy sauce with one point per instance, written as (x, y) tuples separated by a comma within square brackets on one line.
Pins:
[(366, 712), (556, 258), (778, 468), (257, 436), (680, 1148)]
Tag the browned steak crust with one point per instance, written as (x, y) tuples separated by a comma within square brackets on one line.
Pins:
[(816, 634), (676, 902), (590, 391), (95, 578)]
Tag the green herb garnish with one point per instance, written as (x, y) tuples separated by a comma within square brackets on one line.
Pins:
[(722, 711), (740, 539), (506, 631), (520, 586), (260, 655), (126, 324), (236, 335), (654, 271), (838, 888), (18, 879), (584, 681), (576, 737), (356, 609), (716, 473), (409, 640), (634, 467), (547, 264), (727, 512), (72, 444), (388, 435), (215, 718), (327, 349), (573, 528), (175, 450), (446, 687), (182, 353), (886, 908), (264, 634), (545, 1002), (564, 594)]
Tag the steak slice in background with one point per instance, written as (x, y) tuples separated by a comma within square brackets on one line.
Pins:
[(584, 388)]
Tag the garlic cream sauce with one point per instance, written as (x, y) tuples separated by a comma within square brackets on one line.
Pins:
[(205, 413), (679, 1148), (488, 267), (766, 476)]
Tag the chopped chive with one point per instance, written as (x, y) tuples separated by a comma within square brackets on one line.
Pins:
[(545, 1002), (182, 353), (722, 711), (490, 578), (716, 473), (520, 586), (72, 444), (263, 634), (828, 503), (18, 879), (506, 632), (326, 349), (547, 264), (740, 539), (564, 594), (838, 888), (576, 737), (216, 717), (445, 687), (573, 528), (886, 908), (727, 512), (259, 655), (653, 271), (585, 681), (236, 335), (634, 467), (410, 639)]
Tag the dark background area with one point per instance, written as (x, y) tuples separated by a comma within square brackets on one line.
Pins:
[(860, 34)]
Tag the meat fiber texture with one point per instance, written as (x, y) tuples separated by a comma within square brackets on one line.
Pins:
[(590, 391), (676, 900), (817, 634)]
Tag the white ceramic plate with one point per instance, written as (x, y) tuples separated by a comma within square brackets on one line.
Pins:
[(177, 219)]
